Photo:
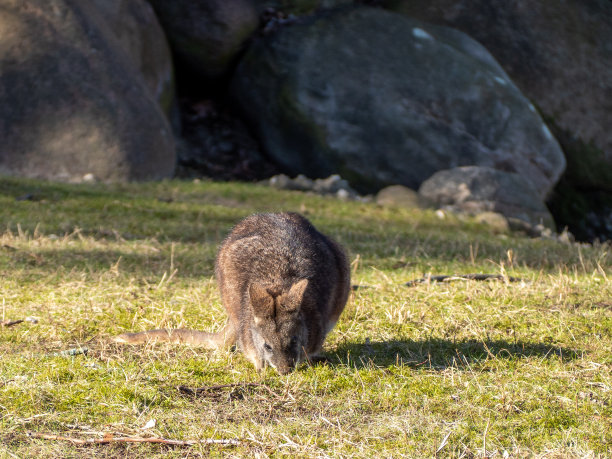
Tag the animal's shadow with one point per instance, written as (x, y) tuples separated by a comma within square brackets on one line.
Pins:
[(440, 354)]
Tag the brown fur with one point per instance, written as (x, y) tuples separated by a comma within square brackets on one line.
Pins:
[(283, 286)]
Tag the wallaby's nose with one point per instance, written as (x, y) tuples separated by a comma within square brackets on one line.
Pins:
[(284, 369)]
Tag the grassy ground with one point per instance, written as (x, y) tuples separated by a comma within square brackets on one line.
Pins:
[(463, 369)]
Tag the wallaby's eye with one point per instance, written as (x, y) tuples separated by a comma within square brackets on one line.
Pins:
[(267, 347)]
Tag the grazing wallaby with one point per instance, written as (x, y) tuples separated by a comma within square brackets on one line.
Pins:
[(283, 285)]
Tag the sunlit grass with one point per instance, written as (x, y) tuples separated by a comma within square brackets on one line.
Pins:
[(459, 370)]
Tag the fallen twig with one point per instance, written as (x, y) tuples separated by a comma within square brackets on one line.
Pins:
[(449, 278), (356, 287), (110, 439), (199, 390), (10, 323)]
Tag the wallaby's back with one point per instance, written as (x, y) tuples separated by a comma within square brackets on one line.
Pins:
[(283, 285)]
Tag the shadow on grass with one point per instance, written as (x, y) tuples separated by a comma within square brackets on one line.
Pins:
[(439, 354)]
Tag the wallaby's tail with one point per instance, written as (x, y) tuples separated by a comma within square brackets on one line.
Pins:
[(222, 339)]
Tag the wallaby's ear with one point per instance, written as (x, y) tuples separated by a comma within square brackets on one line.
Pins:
[(261, 300), (295, 295)]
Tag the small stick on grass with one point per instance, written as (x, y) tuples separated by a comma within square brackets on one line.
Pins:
[(484, 438), (111, 439), (448, 278), (10, 323)]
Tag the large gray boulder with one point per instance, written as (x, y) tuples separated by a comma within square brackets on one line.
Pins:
[(382, 99), (207, 35), (71, 102), (475, 190), (558, 53), (140, 35)]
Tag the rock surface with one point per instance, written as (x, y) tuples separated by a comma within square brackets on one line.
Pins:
[(298, 7), (475, 190), (207, 35), (558, 53), (140, 35), (334, 94), (71, 104), (332, 185)]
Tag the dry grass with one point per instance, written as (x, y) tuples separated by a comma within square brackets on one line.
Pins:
[(464, 369)]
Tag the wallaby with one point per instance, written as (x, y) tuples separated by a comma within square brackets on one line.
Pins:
[(283, 285)]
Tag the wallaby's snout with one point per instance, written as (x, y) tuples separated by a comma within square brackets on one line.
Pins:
[(284, 370), (287, 361)]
